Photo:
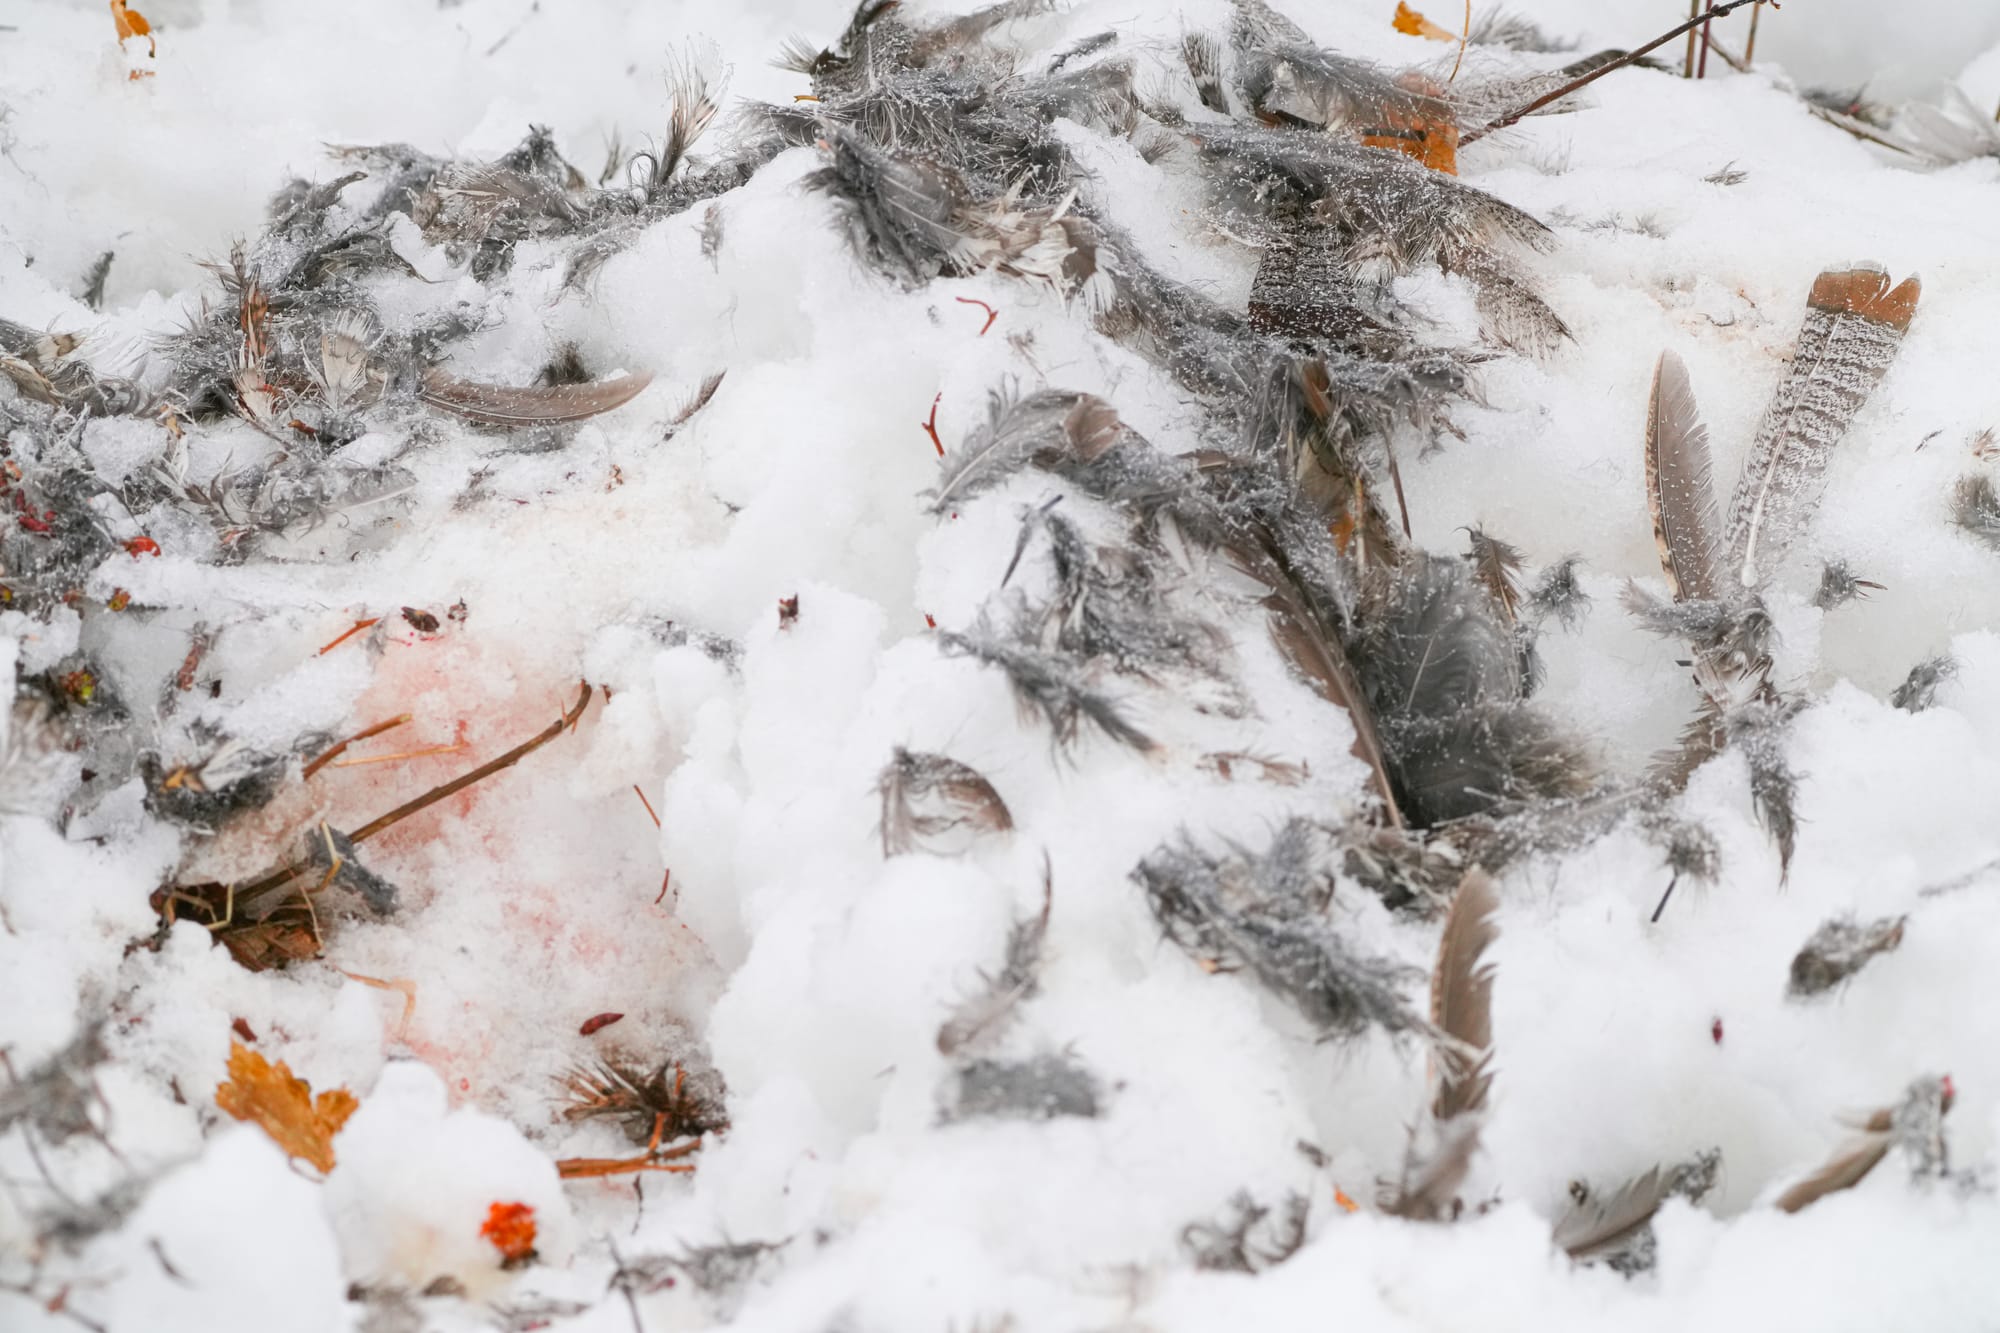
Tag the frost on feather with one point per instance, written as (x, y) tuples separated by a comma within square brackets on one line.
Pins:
[(1269, 914)]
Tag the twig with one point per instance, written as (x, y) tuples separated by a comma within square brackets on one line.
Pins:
[(1463, 37), (453, 748), (359, 625), (362, 735), (1750, 42), (666, 882), (930, 427), (456, 785), (1687, 64), (1740, 66), (402, 985), (1701, 71), (655, 1158), (991, 313), (1729, 6), (1860, 129), (648, 804)]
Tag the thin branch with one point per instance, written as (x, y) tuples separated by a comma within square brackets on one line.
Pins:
[(456, 785), (1628, 58), (362, 735), (247, 897)]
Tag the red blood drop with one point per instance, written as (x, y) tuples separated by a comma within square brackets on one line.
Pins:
[(1715, 1031)]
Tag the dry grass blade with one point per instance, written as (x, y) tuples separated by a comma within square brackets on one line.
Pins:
[(506, 405), (1680, 485), (1462, 997)]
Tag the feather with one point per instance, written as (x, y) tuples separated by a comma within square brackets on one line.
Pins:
[(1048, 684), (1043, 429), (1497, 566), (1914, 1124), (1267, 914), (1919, 689), (1600, 1224), (1203, 57), (1429, 1188), (932, 798), (1680, 486), (342, 375), (1616, 1229), (1843, 1171), (979, 1018), (1462, 997), (1839, 949), (506, 405), (1854, 323), (1975, 509), (696, 401), (1318, 658)]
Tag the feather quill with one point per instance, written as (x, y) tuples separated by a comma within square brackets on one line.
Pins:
[(1854, 323), (506, 405), (1680, 485), (1462, 997)]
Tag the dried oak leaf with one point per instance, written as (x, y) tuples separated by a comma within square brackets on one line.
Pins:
[(510, 1227), (131, 23), (1416, 25), (268, 1096)]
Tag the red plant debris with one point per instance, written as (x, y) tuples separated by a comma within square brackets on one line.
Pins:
[(930, 427), (511, 1229), (597, 1023), (991, 313)]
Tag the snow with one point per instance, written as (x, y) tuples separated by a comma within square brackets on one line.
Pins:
[(649, 560)]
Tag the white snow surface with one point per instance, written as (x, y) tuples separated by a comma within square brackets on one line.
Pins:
[(814, 971)]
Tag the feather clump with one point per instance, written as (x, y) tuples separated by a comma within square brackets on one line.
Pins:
[(1268, 914), (1839, 949)]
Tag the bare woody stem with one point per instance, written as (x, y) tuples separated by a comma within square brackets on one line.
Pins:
[(247, 897), (1628, 58), (485, 770)]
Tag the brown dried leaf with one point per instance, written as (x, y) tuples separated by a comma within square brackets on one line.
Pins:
[(268, 1096)]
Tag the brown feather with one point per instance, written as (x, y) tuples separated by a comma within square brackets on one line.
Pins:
[(505, 405), (1497, 565), (1843, 1172), (1680, 486), (1462, 997), (1321, 660), (1866, 292)]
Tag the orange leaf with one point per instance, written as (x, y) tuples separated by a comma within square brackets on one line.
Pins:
[(511, 1229), (1423, 128), (284, 1106), (1347, 1205), (1416, 25)]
